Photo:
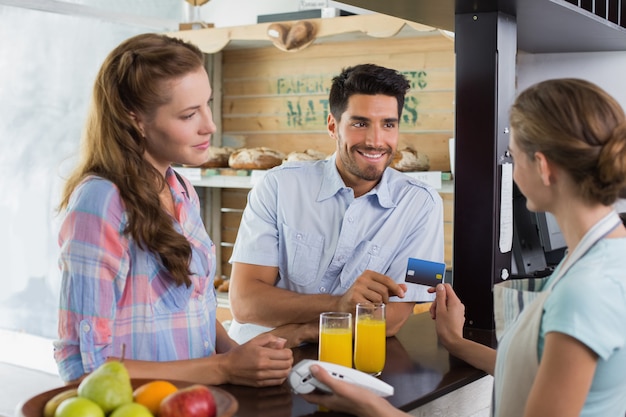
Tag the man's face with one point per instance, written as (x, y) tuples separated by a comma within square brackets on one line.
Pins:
[(367, 138)]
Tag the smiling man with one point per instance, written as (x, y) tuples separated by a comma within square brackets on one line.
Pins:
[(324, 236)]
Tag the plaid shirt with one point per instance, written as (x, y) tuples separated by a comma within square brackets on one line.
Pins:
[(115, 293)]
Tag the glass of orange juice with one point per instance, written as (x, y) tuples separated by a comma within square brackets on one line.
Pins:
[(335, 340), (370, 338)]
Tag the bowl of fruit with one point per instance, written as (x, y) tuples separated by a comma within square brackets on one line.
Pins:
[(109, 391)]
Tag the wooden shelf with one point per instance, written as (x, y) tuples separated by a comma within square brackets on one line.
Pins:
[(226, 181), (223, 181), (338, 29)]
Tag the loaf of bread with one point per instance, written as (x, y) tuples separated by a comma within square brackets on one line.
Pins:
[(224, 286), (218, 157), (300, 35), (292, 37), (408, 159), (255, 158), (307, 155)]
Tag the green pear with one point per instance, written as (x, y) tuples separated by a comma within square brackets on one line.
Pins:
[(108, 386), (131, 410), (78, 407)]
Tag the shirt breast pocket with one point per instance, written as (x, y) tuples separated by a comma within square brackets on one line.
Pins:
[(302, 253), (367, 256), (168, 297)]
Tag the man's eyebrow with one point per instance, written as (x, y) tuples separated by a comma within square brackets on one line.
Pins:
[(367, 119)]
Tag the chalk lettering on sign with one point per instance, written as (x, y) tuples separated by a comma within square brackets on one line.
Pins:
[(313, 115), (317, 84), (325, 110), (301, 85), (417, 78), (294, 114), (309, 117), (410, 113)]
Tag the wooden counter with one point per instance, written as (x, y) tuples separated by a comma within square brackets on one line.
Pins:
[(427, 381), (420, 370)]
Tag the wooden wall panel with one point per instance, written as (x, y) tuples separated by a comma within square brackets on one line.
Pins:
[(226, 252), (297, 118), (280, 100), (438, 79), (230, 220), (234, 198)]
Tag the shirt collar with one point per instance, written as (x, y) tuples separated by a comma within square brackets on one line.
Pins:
[(174, 182), (332, 183)]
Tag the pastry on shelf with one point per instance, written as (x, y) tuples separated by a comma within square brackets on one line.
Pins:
[(218, 157), (223, 287), (307, 155), (217, 281), (408, 160), (255, 158)]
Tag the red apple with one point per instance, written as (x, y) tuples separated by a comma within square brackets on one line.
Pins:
[(194, 401)]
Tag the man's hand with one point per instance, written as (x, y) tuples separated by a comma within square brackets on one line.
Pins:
[(295, 333), (371, 287)]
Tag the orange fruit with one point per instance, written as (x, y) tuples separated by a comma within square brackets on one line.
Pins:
[(152, 393)]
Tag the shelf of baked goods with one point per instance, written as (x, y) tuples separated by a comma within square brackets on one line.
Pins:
[(228, 178), (242, 168), (242, 178)]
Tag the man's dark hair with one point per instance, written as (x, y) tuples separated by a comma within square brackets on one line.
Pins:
[(366, 79)]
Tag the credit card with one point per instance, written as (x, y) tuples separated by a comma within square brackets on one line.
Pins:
[(423, 272)]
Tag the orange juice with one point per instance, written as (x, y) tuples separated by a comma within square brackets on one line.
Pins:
[(369, 350), (336, 346)]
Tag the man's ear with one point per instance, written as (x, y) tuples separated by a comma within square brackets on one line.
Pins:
[(331, 126)]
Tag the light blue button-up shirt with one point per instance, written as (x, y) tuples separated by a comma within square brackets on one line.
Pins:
[(303, 219)]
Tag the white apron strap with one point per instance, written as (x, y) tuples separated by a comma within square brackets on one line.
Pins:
[(596, 233)]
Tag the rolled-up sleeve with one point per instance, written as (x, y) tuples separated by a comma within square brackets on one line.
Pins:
[(94, 264)]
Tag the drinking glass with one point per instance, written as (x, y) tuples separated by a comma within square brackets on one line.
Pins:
[(335, 340), (370, 338)]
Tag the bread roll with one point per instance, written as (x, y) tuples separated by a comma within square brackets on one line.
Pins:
[(224, 286), (277, 32), (292, 37), (300, 34), (408, 159), (255, 158), (307, 155), (218, 157)]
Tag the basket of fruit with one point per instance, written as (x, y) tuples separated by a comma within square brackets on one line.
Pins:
[(109, 391)]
